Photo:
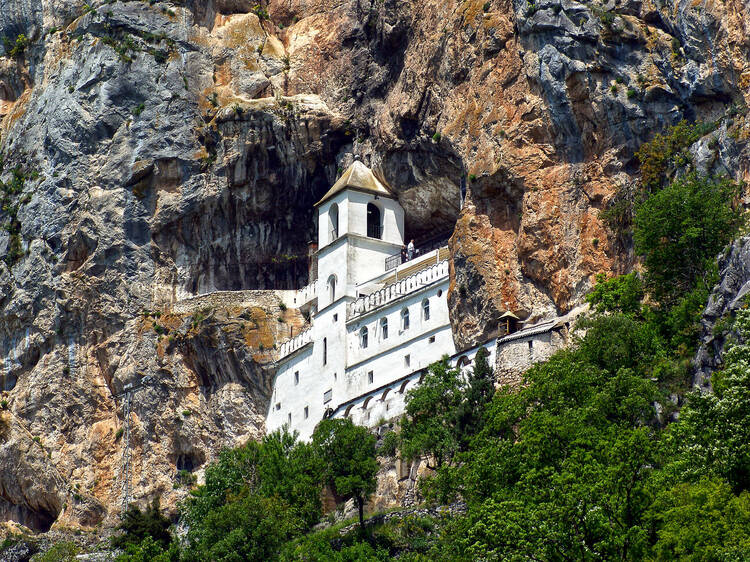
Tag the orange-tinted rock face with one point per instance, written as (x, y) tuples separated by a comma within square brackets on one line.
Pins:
[(540, 106)]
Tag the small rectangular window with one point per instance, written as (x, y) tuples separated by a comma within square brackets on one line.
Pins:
[(531, 344), (407, 360), (289, 418), (296, 377), (335, 317), (278, 405), (327, 396), (370, 377), (432, 339), (307, 412)]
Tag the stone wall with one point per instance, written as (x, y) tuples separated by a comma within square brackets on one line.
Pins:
[(515, 357), (230, 299)]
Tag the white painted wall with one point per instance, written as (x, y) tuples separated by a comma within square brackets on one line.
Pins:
[(346, 373), (316, 376), (391, 216)]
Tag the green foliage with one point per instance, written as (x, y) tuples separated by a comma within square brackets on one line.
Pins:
[(562, 467), (619, 294), (150, 550), (477, 394), (16, 47), (137, 525), (660, 157), (9, 206), (713, 435), (446, 410), (60, 552), (681, 228), (389, 444), (279, 475), (320, 548), (346, 453), (701, 521), (185, 478), (248, 527), (404, 538), (430, 426), (260, 11)]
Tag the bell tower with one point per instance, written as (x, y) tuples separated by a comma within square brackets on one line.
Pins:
[(360, 224)]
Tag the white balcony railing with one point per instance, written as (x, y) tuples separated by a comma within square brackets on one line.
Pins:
[(398, 289), (292, 345), (305, 294)]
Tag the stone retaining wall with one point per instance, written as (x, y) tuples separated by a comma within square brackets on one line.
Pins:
[(230, 299)]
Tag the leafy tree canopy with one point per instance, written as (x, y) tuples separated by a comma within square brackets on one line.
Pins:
[(346, 453)]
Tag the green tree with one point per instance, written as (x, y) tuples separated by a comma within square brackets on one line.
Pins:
[(713, 436), (235, 470), (136, 525), (247, 527), (622, 293), (480, 387), (702, 521), (279, 466), (148, 550), (680, 229), (563, 467), (661, 157), (346, 453), (430, 425), (289, 469)]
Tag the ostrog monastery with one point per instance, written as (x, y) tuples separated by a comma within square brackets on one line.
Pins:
[(376, 323)]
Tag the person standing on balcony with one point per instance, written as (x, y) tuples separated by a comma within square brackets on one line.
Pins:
[(410, 250), (403, 253)]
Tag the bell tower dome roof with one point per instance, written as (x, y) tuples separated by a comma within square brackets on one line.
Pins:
[(360, 178)]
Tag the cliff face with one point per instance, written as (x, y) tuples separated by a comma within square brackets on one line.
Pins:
[(168, 149)]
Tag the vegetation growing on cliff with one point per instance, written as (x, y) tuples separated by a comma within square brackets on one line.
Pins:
[(585, 461)]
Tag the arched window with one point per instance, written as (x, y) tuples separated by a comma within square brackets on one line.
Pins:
[(333, 222), (363, 336), (384, 328), (374, 229), (325, 351), (405, 319), (426, 309), (332, 288)]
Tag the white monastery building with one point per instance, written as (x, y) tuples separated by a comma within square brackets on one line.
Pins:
[(376, 323)]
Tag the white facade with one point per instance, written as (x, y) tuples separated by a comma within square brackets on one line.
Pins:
[(370, 327), (376, 326)]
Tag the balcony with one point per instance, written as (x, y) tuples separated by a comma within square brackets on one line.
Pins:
[(422, 248)]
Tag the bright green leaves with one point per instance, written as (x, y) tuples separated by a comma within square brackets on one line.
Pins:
[(346, 454), (681, 227)]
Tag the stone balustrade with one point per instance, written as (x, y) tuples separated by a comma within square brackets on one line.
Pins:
[(305, 294), (398, 289), (292, 345)]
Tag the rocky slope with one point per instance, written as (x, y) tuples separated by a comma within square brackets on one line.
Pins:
[(167, 149)]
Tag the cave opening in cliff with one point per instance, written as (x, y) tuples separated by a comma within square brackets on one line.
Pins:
[(38, 520)]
